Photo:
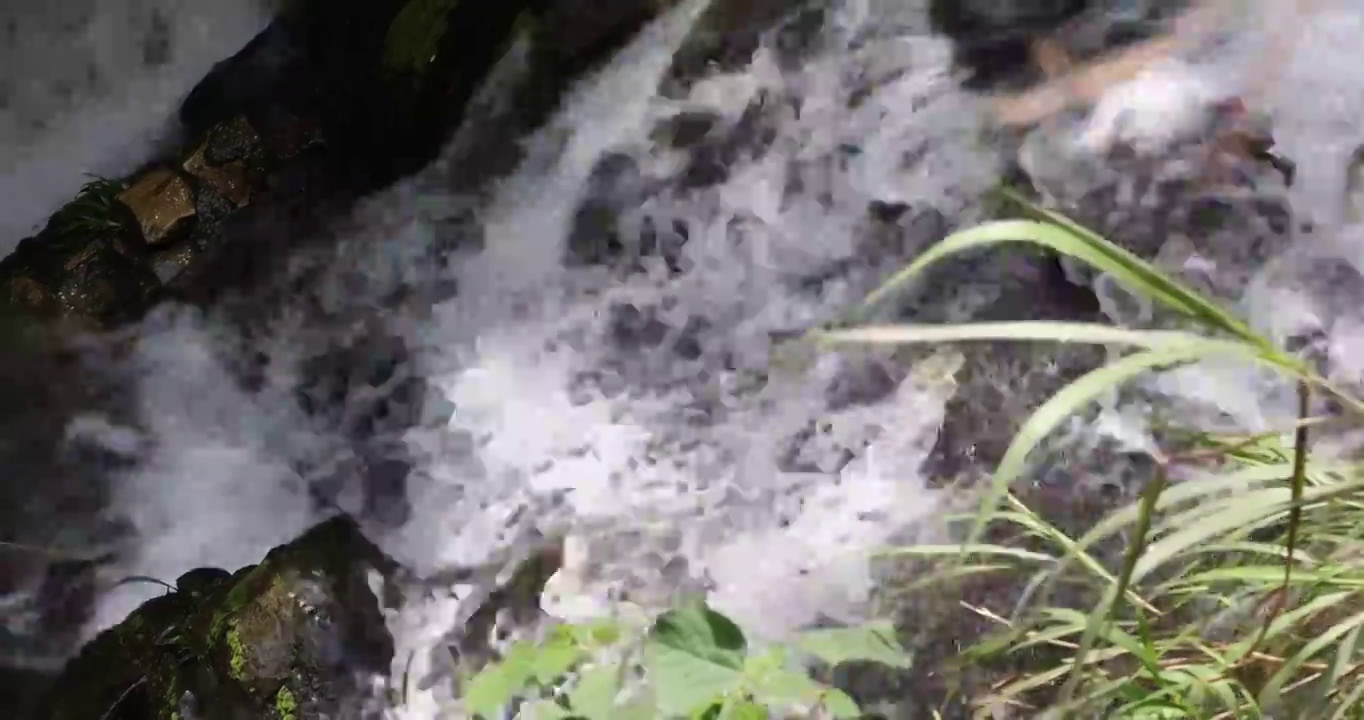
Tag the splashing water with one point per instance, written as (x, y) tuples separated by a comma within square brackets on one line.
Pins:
[(638, 403), (92, 87)]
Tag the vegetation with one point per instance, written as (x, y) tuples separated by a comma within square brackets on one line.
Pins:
[(1240, 593), (695, 662), (94, 212)]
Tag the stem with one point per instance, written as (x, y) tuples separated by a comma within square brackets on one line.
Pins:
[(1149, 496)]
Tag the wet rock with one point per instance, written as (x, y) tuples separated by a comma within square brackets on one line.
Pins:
[(583, 33), (728, 34), (163, 204), (1353, 192), (87, 265), (294, 636), (221, 162), (108, 255), (58, 449), (685, 129)]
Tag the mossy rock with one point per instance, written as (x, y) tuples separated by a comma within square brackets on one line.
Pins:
[(88, 264), (283, 639)]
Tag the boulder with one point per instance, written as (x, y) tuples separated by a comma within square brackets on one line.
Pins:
[(294, 636)]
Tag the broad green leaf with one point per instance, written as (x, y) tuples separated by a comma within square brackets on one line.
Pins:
[(640, 703), (499, 682), (873, 642), (697, 630), (491, 689), (710, 711), (594, 694), (695, 656), (598, 633), (557, 656), (840, 705), (771, 680), (684, 682), (545, 710), (742, 709), (784, 688)]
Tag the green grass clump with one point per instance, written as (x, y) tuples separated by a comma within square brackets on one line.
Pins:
[(1239, 592), (94, 212)]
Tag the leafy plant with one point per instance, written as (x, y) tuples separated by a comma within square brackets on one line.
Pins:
[(94, 211), (693, 662), (1259, 537)]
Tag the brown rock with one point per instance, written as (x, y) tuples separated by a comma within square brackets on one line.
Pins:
[(229, 179), (162, 202), (25, 292)]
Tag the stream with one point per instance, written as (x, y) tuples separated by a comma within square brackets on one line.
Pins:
[(608, 367)]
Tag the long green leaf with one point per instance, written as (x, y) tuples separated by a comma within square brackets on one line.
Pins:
[(1063, 405), (1129, 270), (1145, 278), (1018, 330), (873, 642)]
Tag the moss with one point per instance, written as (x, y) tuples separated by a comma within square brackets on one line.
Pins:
[(245, 642), (414, 36), (241, 591), (237, 662), (285, 705)]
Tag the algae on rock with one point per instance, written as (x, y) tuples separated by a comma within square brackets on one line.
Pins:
[(293, 636)]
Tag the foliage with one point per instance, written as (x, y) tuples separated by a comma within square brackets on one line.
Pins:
[(1239, 595), (692, 662), (93, 212)]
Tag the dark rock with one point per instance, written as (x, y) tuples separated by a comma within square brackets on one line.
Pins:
[(728, 34), (293, 636), (59, 401), (87, 265)]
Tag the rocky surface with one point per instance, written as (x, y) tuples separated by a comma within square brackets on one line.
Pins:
[(331, 102), (302, 634), (294, 636)]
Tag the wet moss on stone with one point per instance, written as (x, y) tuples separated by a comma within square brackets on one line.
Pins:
[(284, 639)]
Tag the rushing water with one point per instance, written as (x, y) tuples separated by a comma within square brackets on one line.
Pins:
[(92, 86), (636, 403)]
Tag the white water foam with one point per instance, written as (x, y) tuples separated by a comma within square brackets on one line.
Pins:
[(92, 86), (658, 457)]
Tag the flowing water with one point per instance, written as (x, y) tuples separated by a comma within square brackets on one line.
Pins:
[(92, 86), (636, 400)]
